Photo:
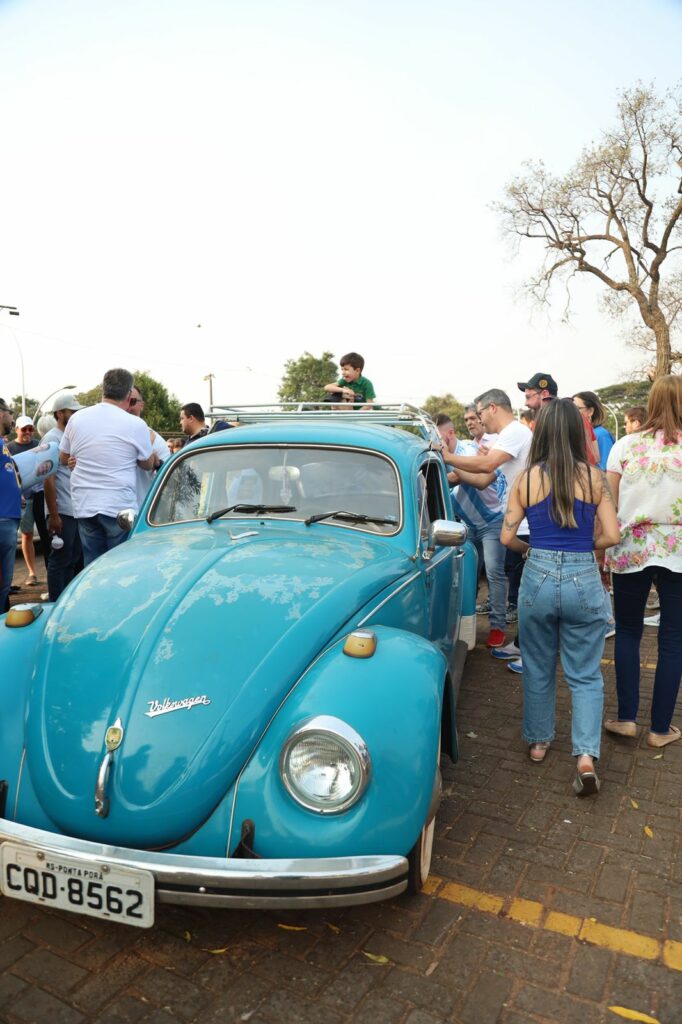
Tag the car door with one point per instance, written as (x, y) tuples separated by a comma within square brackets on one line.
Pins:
[(442, 566)]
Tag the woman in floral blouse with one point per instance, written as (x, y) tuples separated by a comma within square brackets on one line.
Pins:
[(645, 474)]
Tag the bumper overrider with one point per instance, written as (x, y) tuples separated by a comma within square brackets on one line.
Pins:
[(228, 882)]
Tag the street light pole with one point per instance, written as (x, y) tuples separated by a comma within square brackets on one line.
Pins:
[(13, 311), (209, 377)]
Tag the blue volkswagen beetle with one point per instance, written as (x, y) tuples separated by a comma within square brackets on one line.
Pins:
[(244, 705)]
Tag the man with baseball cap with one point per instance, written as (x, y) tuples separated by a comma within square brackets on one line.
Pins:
[(66, 555), (539, 389)]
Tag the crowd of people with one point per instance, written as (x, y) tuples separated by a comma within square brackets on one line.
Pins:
[(572, 514), (108, 459), (560, 512)]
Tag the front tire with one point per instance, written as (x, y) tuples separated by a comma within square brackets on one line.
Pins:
[(419, 857)]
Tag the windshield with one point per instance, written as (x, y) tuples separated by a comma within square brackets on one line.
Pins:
[(291, 482)]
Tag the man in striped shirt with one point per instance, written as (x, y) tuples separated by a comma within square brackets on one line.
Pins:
[(480, 504)]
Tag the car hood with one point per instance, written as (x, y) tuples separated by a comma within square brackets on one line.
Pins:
[(191, 636)]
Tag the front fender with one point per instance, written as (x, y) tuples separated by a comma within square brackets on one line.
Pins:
[(18, 646), (394, 701)]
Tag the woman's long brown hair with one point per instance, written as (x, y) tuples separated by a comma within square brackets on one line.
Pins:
[(559, 450), (664, 408)]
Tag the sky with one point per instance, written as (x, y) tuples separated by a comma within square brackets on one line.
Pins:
[(219, 186)]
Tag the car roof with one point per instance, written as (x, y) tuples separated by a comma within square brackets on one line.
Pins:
[(397, 443)]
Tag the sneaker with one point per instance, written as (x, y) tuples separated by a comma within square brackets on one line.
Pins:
[(484, 608), (516, 667), (31, 580), (512, 613), (507, 653), (495, 638), (611, 632), (653, 620)]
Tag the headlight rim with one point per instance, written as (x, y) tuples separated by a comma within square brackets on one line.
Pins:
[(337, 729)]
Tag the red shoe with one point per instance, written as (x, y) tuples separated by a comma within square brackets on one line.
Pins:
[(495, 638)]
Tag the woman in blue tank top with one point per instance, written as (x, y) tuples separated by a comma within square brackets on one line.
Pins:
[(561, 600)]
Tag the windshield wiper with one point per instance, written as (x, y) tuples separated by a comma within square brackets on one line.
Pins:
[(258, 510), (353, 517)]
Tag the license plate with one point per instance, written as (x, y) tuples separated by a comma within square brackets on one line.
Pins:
[(98, 890)]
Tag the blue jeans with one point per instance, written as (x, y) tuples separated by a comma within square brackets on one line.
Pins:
[(62, 563), (8, 553), (561, 613), (99, 534), (487, 540), (630, 591)]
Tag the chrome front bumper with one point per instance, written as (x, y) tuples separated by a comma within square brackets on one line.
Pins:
[(222, 882)]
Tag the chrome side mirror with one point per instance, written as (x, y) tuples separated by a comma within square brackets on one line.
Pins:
[(444, 533), (126, 519)]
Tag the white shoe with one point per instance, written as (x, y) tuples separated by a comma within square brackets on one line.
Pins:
[(507, 653), (653, 620), (611, 632)]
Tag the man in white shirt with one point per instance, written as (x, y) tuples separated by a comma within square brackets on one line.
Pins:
[(159, 447), (509, 454), (105, 446)]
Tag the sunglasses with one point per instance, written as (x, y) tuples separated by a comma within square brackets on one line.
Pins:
[(135, 401), (29, 429)]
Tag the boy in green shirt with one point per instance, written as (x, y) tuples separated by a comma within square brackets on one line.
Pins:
[(352, 388)]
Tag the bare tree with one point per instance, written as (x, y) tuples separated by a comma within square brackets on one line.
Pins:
[(616, 215)]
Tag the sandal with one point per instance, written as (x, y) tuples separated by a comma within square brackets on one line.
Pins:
[(586, 782), (619, 728), (661, 739), (31, 580), (537, 752)]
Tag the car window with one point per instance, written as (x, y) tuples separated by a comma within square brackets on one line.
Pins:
[(430, 501), (315, 480)]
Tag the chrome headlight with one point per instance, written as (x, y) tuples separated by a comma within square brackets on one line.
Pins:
[(325, 765)]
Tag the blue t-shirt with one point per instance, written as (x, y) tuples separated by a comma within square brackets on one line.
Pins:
[(10, 488), (606, 442)]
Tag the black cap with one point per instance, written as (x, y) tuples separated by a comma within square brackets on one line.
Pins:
[(541, 382)]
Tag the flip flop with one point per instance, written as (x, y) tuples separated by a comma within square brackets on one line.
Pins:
[(661, 739), (620, 728), (537, 752), (586, 783)]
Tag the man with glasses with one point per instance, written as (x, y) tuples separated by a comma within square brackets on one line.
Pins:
[(541, 389), (66, 558), (159, 447), (10, 508), (33, 513), (508, 454), (105, 445)]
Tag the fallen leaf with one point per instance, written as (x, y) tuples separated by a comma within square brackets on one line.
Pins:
[(217, 952), (472, 735), (333, 928), (622, 1011), (648, 832), (376, 958), (657, 757), (634, 804), (292, 927), (187, 936)]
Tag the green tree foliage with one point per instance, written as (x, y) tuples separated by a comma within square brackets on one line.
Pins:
[(449, 405), (616, 216), (31, 405), (161, 410), (620, 397), (304, 378)]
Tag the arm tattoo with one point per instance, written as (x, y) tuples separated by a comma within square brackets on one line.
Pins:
[(510, 522), (606, 490)]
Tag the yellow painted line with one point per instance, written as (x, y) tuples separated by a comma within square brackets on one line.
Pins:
[(536, 915), (642, 664)]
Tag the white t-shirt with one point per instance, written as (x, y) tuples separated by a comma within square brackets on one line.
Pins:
[(515, 440), (145, 476), (106, 442), (62, 478)]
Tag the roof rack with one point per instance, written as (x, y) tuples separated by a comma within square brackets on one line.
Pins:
[(390, 415)]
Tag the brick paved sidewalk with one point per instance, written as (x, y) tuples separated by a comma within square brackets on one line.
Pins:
[(541, 908)]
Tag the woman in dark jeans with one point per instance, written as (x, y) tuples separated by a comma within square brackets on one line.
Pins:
[(645, 474)]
